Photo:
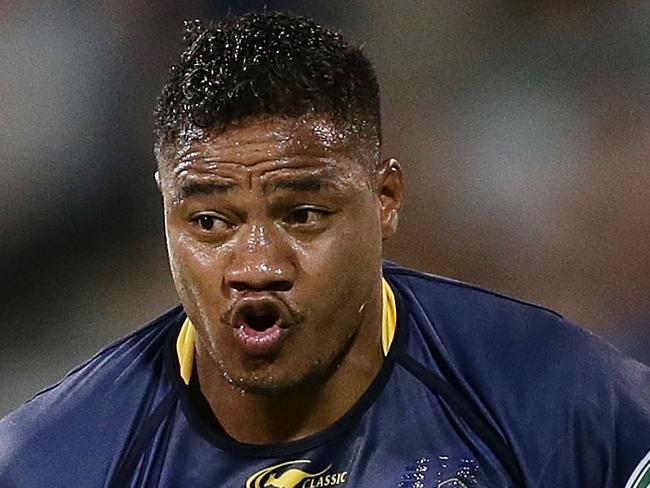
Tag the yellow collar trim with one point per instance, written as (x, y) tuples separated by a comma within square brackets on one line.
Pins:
[(185, 350), (185, 341), (388, 317)]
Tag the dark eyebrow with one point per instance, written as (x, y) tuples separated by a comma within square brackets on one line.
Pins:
[(190, 188), (310, 183)]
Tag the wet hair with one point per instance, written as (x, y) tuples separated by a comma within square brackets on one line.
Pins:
[(267, 64)]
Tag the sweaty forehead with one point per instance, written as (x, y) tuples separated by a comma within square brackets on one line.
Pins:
[(260, 140)]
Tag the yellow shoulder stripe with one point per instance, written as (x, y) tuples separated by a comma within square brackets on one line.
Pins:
[(185, 341)]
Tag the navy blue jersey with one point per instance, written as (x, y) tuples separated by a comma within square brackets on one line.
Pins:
[(478, 390)]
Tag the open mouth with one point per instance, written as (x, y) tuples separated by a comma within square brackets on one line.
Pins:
[(260, 326), (260, 319)]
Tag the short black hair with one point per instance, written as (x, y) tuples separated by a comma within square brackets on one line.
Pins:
[(274, 64)]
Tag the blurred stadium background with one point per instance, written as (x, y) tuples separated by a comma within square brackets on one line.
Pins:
[(523, 127)]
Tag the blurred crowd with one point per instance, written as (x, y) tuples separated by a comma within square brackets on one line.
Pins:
[(523, 129)]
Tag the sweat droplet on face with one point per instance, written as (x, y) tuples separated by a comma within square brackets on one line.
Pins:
[(257, 239)]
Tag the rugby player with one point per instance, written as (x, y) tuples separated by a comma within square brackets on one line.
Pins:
[(298, 358)]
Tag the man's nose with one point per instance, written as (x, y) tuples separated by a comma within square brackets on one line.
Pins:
[(260, 261)]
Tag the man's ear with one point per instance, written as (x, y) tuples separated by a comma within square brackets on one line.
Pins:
[(390, 190)]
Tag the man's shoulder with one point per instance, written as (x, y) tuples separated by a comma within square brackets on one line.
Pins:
[(545, 383), (483, 332), (449, 300), (90, 410)]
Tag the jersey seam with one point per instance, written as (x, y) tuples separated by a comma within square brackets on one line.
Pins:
[(488, 434), (470, 286), (132, 457)]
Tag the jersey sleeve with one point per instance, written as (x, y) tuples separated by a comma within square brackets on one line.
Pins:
[(573, 409), (607, 442)]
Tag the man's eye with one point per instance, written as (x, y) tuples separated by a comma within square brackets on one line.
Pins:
[(206, 222), (305, 216), (210, 222)]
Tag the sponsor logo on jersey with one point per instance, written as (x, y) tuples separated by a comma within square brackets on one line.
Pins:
[(296, 474), (441, 472)]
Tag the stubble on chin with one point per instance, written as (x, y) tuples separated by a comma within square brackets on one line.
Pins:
[(286, 381)]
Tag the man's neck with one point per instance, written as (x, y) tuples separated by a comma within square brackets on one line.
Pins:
[(263, 419)]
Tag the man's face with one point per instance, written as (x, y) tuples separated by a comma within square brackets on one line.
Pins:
[(274, 235)]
